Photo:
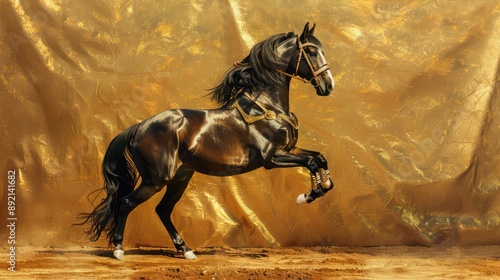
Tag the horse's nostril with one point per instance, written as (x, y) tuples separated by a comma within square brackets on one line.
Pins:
[(329, 87)]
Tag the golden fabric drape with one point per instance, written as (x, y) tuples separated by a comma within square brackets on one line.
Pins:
[(410, 130)]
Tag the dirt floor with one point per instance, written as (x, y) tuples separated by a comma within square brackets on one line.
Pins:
[(259, 263)]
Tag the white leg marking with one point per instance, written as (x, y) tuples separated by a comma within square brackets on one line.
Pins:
[(301, 199), (119, 254), (189, 255)]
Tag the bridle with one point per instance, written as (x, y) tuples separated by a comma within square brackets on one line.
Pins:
[(315, 72), (271, 114)]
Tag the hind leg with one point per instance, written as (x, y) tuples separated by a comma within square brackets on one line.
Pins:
[(126, 205), (175, 190)]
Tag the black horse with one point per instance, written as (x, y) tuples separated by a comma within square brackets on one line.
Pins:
[(253, 128)]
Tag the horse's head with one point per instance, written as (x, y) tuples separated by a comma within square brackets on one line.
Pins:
[(309, 63)]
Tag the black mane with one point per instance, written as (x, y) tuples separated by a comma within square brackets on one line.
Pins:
[(256, 70)]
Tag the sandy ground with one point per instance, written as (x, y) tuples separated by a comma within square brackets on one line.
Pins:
[(259, 263)]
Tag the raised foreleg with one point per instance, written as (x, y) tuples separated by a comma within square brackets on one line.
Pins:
[(317, 165)]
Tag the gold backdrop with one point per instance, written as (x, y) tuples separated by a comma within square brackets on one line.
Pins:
[(410, 130)]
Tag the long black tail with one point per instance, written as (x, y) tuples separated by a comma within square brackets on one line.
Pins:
[(120, 178)]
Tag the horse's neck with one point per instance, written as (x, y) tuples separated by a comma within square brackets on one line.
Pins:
[(277, 99)]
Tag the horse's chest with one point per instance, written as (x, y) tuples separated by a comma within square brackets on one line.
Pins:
[(271, 135)]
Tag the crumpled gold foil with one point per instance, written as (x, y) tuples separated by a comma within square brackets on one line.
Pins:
[(410, 130)]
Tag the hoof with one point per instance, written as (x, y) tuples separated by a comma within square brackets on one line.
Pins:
[(301, 199), (119, 254), (189, 255)]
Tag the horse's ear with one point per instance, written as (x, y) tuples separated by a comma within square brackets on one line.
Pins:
[(311, 31), (305, 33)]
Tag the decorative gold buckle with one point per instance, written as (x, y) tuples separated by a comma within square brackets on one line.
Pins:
[(270, 115)]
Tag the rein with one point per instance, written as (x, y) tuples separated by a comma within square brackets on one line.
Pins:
[(268, 114)]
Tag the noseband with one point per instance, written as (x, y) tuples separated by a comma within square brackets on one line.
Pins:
[(314, 72)]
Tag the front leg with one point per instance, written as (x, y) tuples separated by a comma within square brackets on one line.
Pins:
[(322, 176), (315, 163), (318, 157), (296, 157)]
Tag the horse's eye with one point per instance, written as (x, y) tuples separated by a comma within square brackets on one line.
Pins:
[(313, 54)]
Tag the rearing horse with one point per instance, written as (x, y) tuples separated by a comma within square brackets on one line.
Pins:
[(253, 128)]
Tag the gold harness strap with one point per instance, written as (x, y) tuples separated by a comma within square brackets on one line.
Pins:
[(268, 114)]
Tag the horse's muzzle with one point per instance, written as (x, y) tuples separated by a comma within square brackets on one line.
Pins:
[(323, 86)]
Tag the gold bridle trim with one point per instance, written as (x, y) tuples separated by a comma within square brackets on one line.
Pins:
[(315, 73)]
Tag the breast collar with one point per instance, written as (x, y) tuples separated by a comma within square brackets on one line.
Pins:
[(268, 114)]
